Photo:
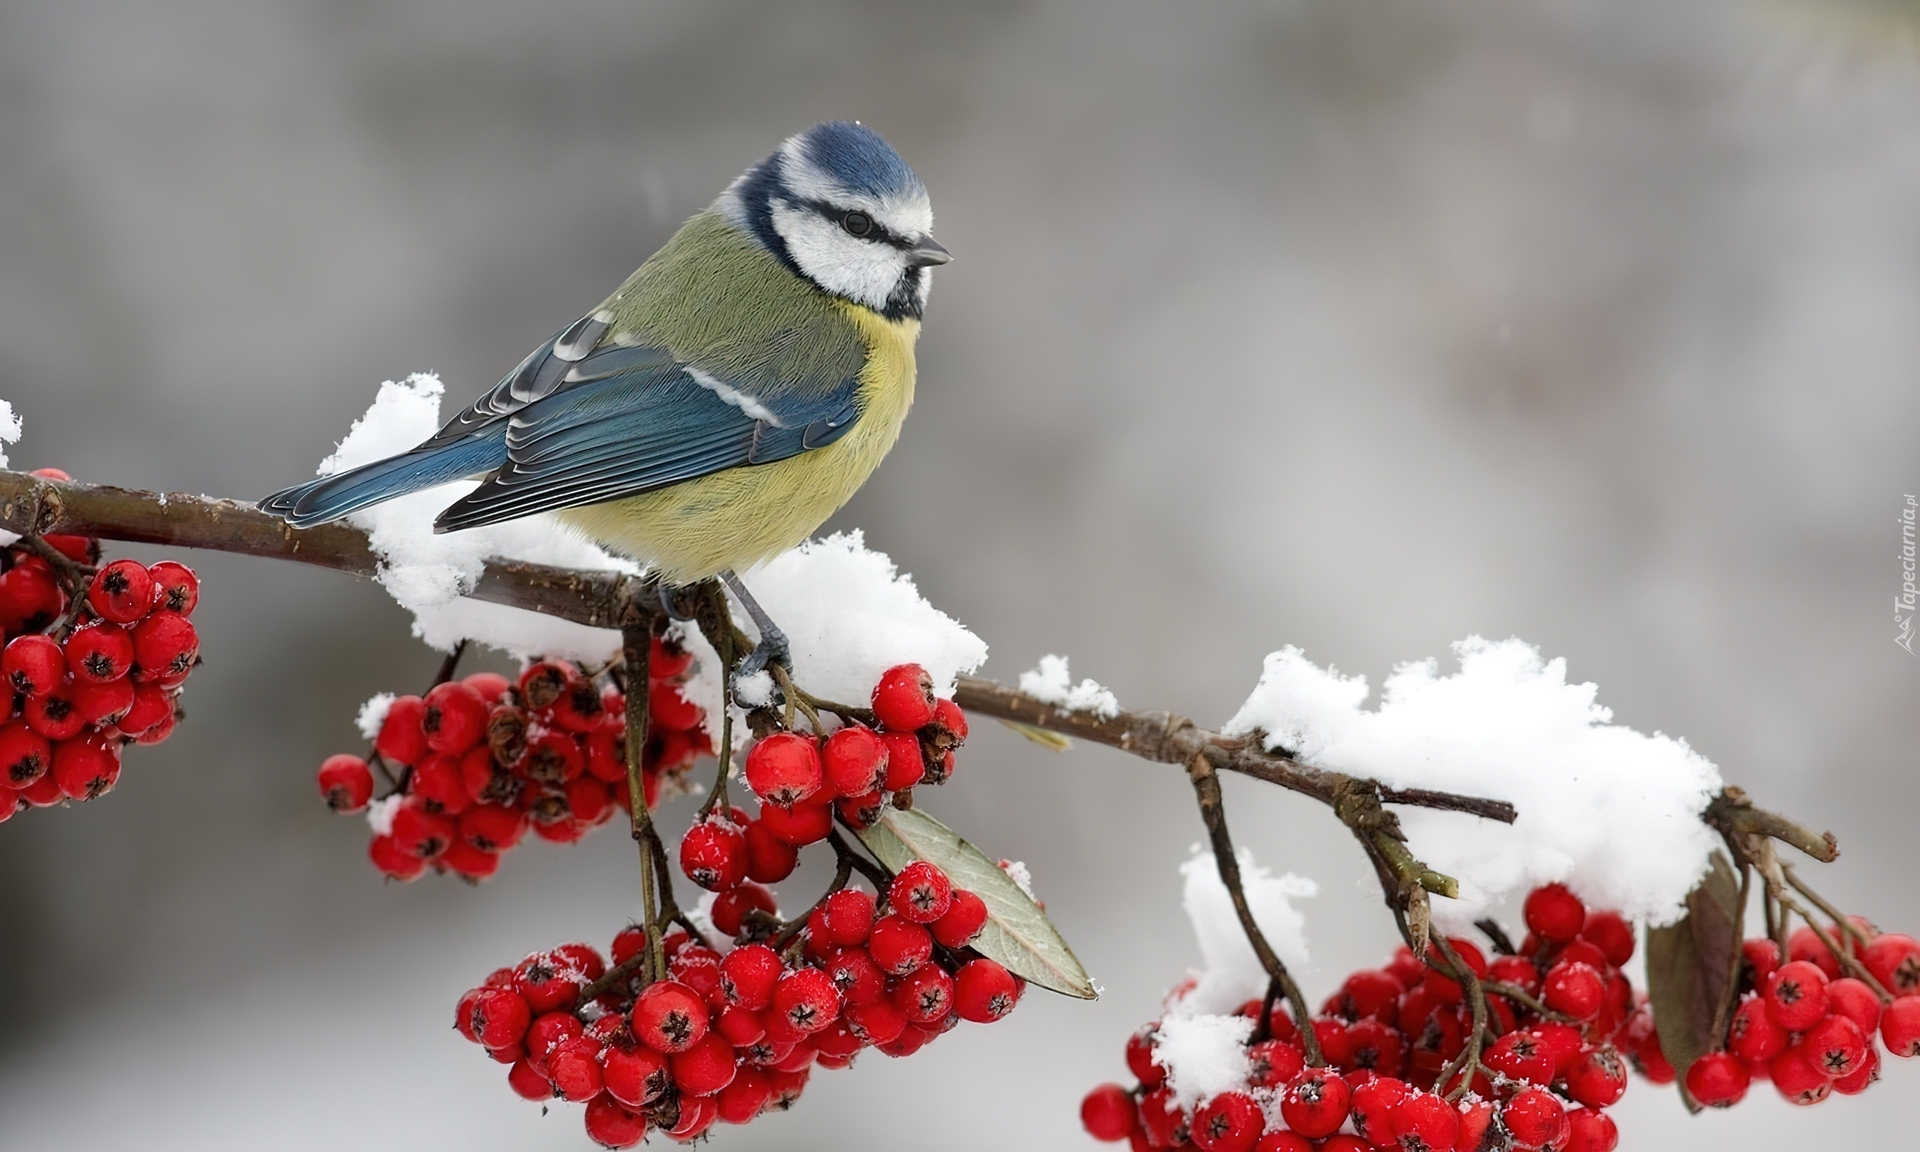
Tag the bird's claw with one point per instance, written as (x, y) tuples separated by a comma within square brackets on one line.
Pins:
[(772, 649)]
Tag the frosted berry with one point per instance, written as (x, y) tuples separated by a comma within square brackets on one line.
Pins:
[(962, 922), (1836, 1046), (784, 769), (806, 999), (748, 975), (1108, 1113), (175, 587), (102, 705), (635, 1076), (1555, 914), (100, 652), (855, 760), (86, 767), (798, 826), (926, 995), (497, 1017), (920, 893), (1797, 995), (1140, 1059), (984, 991), (1230, 1122), (1796, 1079), (1900, 1026), (345, 781), (544, 681), (769, 858), (1718, 1080), (25, 755), (669, 1017), (121, 592), (33, 663), (1535, 1118), (1753, 1035), (1857, 1081), (54, 714), (877, 1022), (861, 811), (1597, 1077), (706, 1067), (612, 1125), (949, 724), (1423, 1122), (903, 699), (1609, 931), (528, 1084), (392, 862), (745, 1098), (165, 646), (418, 832), (1574, 989), (574, 1067), (906, 766), (547, 981), (1315, 1104), (713, 854), (1894, 960), (1521, 1056), (455, 719), (1372, 1104), (1590, 1131), (849, 917), (401, 739), (731, 907)]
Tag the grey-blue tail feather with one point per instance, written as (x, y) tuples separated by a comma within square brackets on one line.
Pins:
[(331, 497)]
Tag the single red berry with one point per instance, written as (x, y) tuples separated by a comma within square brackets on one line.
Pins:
[(1759, 959), (745, 1098), (1806, 944), (33, 663), (769, 858), (1857, 1081), (345, 781), (25, 755), (1609, 931), (1560, 1041), (100, 652), (854, 973), (670, 709), (962, 922), (1517, 971), (806, 999), (30, 599), (1535, 1118), (86, 767), (175, 587), (669, 1017), (1423, 1122), (697, 1114), (1275, 1062), (548, 981), (1857, 1002), (705, 1068), (920, 893), (876, 1022), (421, 833), (799, 826), (492, 827), (455, 719), (574, 1067), (903, 699), (742, 1028), (165, 646), (152, 705), (1795, 1078), (1836, 1046), (1374, 1046), (543, 682), (854, 760), (1444, 989), (497, 1017), (1140, 1048), (784, 769), (1598, 1077), (906, 765), (121, 592), (1315, 1104), (1753, 1035), (984, 991), (528, 1084), (1109, 1113), (437, 785), (748, 975), (1372, 1105), (859, 812), (667, 657), (713, 854), (1161, 1119), (612, 1125), (1894, 960), (392, 862), (926, 995), (579, 707), (1718, 1080), (1230, 1122), (1797, 995), (401, 739), (635, 1076), (469, 863), (42, 793), (1590, 1131), (1555, 914), (103, 705), (849, 915), (1521, 1056), (950, 723), (54, 713), (1900, 1026), (1574, 989)]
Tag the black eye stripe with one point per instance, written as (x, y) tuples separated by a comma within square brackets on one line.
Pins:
[(878, 231)]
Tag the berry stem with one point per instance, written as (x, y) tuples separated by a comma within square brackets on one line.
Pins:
[(450, 665), (1467, 1064), (637, 638), (1502, 943), (1213, 813)]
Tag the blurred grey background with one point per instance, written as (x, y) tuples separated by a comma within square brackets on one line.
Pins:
[(1357, 324)]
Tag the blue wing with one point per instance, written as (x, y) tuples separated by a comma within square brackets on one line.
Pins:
[(576, 424)]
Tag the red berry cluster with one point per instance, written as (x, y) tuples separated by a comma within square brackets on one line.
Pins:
[(1389, 1034), (804, 781), (727, 1036), (476, 762), (95, 657), (1807, 1027)]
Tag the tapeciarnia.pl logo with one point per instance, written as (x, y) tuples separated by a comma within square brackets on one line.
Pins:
[(1904, 603)]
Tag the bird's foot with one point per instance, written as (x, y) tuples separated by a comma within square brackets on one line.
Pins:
[(772, 649), (670, 595)]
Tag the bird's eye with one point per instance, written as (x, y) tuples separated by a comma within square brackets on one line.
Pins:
[(858, 223)]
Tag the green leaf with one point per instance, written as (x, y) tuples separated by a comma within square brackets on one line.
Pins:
[(1017, 934), (1688, 965)]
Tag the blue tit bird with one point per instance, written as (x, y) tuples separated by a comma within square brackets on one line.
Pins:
[(730, 396)]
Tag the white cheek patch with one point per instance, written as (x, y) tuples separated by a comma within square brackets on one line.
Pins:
[(910, 216), (861, 270)]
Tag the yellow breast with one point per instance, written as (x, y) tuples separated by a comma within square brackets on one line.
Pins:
[(739, 517)]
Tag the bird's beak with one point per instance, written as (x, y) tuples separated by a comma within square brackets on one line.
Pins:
[(926, 253)]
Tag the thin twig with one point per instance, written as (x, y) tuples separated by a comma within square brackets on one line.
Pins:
[(637, 640), (1502, 943)]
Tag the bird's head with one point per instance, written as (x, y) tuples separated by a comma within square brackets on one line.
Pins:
[(837, 205)]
